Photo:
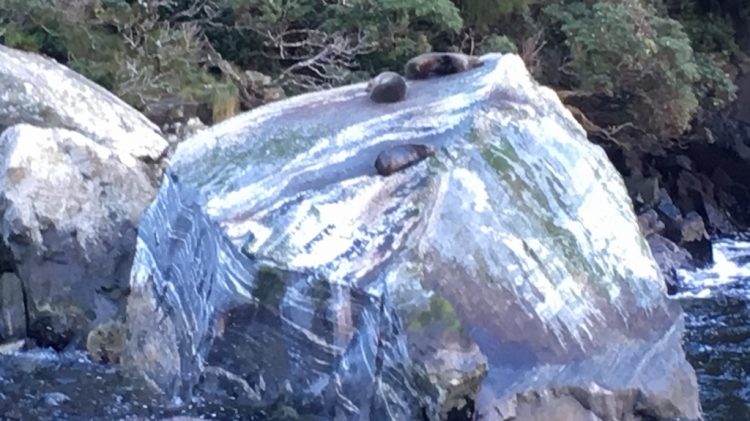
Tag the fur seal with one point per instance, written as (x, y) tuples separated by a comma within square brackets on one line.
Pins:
[(387, 87), (399, 157), (439, 64)]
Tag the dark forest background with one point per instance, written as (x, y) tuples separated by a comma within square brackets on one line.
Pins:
[(639, 73)]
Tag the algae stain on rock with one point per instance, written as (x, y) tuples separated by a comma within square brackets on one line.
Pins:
[(220, 164), (270, 286), (439, 311)]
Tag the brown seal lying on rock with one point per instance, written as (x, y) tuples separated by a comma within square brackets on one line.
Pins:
[(387, 87), (399, 157), (439, 64)]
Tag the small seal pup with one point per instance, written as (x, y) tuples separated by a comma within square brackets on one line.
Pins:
[(400, 157), (387, 87), (439, 64)]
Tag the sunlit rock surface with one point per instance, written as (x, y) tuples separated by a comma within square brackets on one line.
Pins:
[(77, 167), (504, 275), (39, 91), (70, 208)]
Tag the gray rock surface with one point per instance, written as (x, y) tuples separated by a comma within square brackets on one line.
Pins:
[(275, 261), (70, 208), (12, 308), (77, 167), (39, 91)]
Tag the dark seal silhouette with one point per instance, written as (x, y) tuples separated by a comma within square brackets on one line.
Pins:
[(400, 157), (427, 65), (387, 87)]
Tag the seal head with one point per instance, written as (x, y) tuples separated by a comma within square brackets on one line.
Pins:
[(387, 87)]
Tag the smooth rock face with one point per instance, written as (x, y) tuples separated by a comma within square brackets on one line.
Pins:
[(276, 265), (42, 92), (70, 210)]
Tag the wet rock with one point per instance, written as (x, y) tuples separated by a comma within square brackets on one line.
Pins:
[(696, 240), (671, 217), (70, 209), (56, 328), (649, 223), (106, 342), (401, 157), (39, 91), (643, 190), (513, 264), (387, 87), (55, 398), (12, 347), (12, 308), (670, 257), (220, 384), (693, 228)]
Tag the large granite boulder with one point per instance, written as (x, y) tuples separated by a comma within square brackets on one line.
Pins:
[(77, 167), (503, 277)]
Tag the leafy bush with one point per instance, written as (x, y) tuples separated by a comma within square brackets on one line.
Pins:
[(115, 43), (714, 41), (624, 51)]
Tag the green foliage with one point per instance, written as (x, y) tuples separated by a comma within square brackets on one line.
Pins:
[(114, 43), (497, 44), (312, 44), (658, 62), (715, 88), (625, 51), (440, 311), (714, 41), (484, 14)]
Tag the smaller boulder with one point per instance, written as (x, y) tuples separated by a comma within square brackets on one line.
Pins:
[(695, 239), (643, 190), (671, 216), (106, 342), (649, 223), (693, 228), (70, 210)]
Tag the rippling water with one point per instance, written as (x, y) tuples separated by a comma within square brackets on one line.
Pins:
[(717, 341)]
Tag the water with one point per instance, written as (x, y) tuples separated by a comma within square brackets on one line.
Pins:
[(717, 340)]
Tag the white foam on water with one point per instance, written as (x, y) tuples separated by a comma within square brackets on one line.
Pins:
[(728, 269)]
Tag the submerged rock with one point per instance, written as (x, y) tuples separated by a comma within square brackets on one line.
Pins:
[(504, 278)]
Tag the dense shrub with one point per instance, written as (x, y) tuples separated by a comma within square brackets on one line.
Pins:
[(116, 43), (621, 50)]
